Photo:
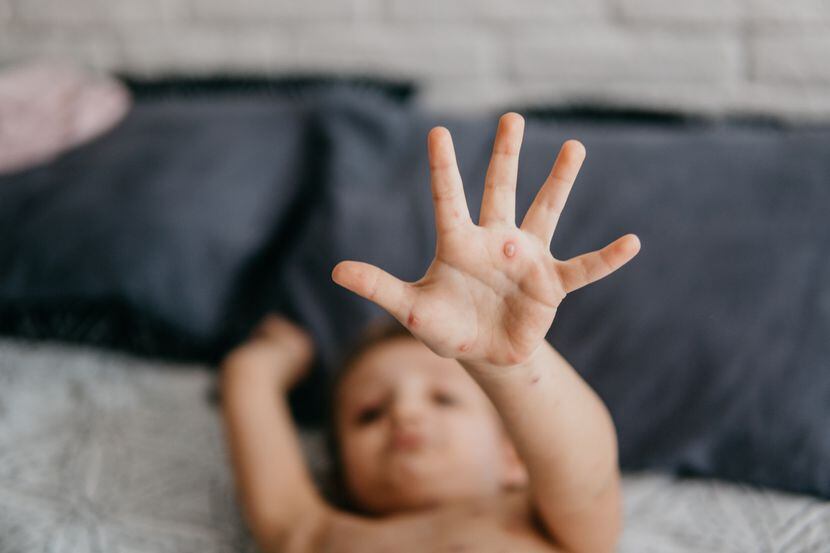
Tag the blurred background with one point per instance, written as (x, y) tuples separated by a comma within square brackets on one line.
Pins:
[(708, 56)]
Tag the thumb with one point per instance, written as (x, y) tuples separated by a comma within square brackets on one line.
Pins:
[(376, 285)]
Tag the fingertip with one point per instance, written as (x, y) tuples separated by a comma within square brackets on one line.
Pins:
[(633, 243), (440, 149), (438, 133), (337, 273), (575, 147), (512, 119)]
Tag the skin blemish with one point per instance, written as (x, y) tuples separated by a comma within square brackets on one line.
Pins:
[(509, 249), (535, 379), (464, 347), (412, 320)]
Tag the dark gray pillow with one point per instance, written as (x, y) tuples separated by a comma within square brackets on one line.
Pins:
[(141, 239), (711, 349)]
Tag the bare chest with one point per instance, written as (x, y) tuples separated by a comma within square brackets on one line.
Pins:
[(472, 529)]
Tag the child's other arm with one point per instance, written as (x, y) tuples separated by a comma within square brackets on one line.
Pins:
[(566, 438), (280, 502)]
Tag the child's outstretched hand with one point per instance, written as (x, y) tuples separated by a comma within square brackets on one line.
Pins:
[(491, 293)]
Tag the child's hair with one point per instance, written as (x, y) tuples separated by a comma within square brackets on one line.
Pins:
[(377, 332)]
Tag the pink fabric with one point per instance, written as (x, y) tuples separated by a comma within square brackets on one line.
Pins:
[(47, 108)]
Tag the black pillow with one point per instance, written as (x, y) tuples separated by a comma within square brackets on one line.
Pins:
[(152, 237), (711, 349), (140, 239)]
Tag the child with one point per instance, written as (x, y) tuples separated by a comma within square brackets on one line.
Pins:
[(469, 432)]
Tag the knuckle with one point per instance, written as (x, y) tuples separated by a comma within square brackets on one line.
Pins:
[(374, 288), (607, 264)]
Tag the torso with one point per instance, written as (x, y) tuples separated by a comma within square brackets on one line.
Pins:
[(502, 524)]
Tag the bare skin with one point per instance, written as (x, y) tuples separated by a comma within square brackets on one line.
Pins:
[(482, 309)]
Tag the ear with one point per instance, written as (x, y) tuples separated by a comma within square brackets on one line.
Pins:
[(515, 474)]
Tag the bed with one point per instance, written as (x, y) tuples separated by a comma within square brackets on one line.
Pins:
[(106, 452)]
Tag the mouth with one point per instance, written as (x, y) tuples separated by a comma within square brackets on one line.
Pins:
[(407, 441)]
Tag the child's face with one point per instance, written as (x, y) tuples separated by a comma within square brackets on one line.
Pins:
[(415, 431)]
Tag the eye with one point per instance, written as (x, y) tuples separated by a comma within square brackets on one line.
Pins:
[(444, 398), (369, 415)]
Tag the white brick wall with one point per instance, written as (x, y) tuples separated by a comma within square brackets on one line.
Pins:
[(5, 11), (791, 11), (427, 52), (95, 13), (710, 56), (702, 12), (498, 11), (796, 58), (621, 55), (274, 10)]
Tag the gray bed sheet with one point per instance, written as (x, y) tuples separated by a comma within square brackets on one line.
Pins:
[(104, 452)]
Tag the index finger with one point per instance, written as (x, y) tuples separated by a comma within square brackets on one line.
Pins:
[(447, 188)]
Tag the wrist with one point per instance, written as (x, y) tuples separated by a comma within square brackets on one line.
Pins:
[(527, 367), (237, 370)]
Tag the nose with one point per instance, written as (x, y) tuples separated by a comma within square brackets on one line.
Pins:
[(407, 411)]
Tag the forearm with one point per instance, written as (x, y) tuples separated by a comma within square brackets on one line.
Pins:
[(566, 438), (272, 480)]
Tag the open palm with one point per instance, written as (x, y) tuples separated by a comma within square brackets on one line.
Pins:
[(491, 293)]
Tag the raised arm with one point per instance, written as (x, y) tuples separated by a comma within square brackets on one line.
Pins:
[(280, 502), (488, 299), (565, 436)]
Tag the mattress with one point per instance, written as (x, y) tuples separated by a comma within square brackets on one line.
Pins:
[(105, 452)]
